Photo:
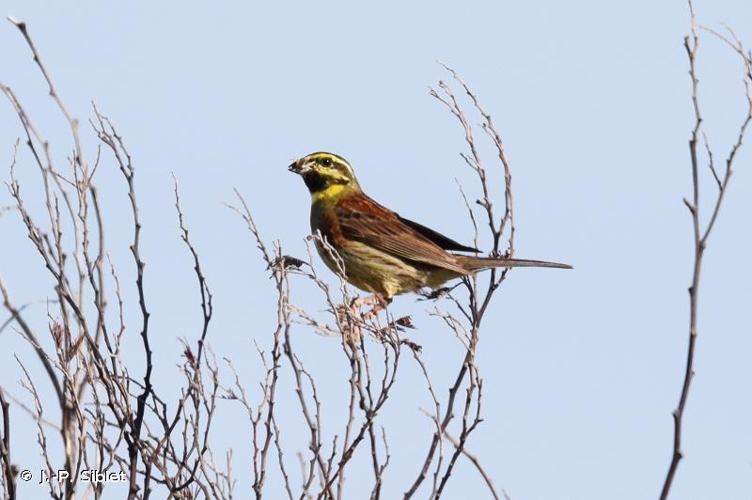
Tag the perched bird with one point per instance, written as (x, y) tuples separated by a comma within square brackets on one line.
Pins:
[(382, 252)]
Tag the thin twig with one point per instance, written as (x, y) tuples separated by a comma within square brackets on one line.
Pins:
[(700, 234)]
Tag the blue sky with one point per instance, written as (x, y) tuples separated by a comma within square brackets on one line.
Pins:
[(582, 368)]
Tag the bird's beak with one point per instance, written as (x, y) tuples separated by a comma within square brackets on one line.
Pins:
[(296, 167)]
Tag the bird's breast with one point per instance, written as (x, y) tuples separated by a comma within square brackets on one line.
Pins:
[(324, 221)]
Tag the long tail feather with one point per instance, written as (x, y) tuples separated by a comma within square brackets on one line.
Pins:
[(479, 263)]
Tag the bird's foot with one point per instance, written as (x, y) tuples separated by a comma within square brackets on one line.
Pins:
[(377, 302), (354, 317)]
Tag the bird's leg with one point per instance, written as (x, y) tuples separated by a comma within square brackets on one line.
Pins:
[(348, 317), (377, 301), (352, 317)]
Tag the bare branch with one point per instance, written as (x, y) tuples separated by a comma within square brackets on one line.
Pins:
[(701, 234)]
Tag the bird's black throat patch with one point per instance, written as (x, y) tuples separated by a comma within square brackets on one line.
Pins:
[(314, 181)]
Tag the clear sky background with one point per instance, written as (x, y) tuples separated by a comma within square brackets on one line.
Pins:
[(582, 368)]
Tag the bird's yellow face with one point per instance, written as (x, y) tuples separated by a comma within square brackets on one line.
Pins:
[(326, 175)]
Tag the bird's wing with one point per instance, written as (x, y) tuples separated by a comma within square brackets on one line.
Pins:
[(438, 238), (362, 219)]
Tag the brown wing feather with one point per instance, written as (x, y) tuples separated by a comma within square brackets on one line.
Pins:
[(438, 238), (362, 219)]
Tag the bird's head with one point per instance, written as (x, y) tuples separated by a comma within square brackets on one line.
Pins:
[(326, 175)]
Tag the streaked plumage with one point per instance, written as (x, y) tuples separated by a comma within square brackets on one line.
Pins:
[(382, 252)]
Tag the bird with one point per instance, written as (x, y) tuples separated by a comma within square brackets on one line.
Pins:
[(382, 252)]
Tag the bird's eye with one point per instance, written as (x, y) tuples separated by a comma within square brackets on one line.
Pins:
[(327, 162)]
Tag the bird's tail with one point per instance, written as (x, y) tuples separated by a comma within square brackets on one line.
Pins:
[(480, 263)]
